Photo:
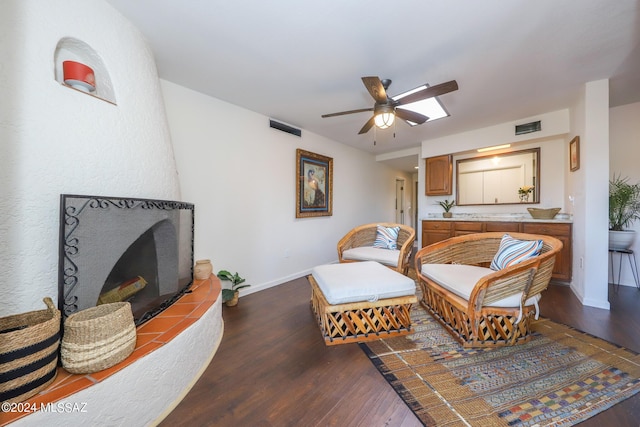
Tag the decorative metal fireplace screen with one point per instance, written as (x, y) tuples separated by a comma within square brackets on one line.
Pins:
[(122, 249)]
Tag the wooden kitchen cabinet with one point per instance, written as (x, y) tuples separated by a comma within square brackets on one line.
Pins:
[(562, 267), (460, 228), (434, 231), (439, 175), (503, 226)]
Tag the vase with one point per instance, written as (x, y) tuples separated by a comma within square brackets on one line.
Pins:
[(524, 198), (233, 301), (203, 269), (79, 76), (621, 240), (447, 214)]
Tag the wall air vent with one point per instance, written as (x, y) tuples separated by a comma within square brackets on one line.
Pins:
[(528, 128), (285, 128)]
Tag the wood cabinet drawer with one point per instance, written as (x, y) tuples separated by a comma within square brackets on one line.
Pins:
[(430, 237), (549, 229), (468, 226), (436, 225), (506, 227)]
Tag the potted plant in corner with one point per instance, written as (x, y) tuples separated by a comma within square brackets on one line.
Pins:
[(230, 295), (446, 205), (624, 210)]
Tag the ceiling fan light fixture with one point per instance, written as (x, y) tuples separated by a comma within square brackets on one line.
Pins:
[(384, 120), (384, 116), (407, 106)]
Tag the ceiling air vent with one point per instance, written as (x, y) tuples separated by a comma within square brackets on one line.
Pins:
[(528, 128), (285, 128)]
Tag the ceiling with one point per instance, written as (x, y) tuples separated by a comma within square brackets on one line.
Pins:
[(293, 60)]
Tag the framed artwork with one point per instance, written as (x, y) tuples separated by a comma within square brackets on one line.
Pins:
[(574, 154), (314, 184)]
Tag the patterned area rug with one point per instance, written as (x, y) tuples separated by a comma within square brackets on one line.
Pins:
[(559, 378)]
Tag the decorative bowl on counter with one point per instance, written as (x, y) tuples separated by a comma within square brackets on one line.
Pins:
[(537, 213)]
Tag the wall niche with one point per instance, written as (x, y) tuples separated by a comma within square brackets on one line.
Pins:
[(70, 49)]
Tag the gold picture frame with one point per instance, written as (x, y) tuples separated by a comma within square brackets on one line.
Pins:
[(314, 184), (574, 154)]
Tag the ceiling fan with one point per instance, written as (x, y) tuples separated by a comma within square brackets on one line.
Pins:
[(385, 109)]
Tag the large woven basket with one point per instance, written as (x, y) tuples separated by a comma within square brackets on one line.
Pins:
[(29, 345), (537, 213), (98, 338)]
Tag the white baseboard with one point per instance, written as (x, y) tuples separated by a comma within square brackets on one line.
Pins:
[(262, 286), (279, 281)]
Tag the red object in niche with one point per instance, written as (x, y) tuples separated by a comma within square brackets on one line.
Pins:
[(79, 76)]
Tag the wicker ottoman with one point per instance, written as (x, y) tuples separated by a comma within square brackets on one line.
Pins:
[(361, 301)]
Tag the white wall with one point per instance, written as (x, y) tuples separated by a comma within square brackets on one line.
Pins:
[(624, 152), (575, 188), (241, 176), (594, 160), (56, 140)]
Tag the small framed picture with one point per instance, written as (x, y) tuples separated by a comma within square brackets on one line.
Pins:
[(574, 154), (314, 184)]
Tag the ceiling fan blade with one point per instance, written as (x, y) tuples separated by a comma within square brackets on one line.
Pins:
[(411, 116), (342, 113), (367, 126), (429, 92), (375, 88)]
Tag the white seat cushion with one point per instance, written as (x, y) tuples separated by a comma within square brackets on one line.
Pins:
[(461, 279), (361, 281), (369, 253)]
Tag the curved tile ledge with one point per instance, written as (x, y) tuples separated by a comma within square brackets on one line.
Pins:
[(172, 350)]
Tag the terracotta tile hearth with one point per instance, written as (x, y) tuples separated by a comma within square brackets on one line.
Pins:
[(150, 336)]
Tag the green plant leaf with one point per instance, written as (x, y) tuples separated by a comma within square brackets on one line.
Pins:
[(225, 275), (446, 204), (235, 279), (227, 294), (624, 203)]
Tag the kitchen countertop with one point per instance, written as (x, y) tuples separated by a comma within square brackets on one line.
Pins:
[(519, 217)]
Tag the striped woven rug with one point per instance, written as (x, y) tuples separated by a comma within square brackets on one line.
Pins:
[(559, 378)]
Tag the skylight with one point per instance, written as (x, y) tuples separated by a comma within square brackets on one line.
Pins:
[(430, 107)]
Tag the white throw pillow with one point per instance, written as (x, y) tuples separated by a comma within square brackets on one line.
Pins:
[(513, 251), (386, 237)]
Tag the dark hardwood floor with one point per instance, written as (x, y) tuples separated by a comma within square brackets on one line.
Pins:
[(273, 369)]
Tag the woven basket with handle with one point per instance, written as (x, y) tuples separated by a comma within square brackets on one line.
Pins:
[(29, 345), (98, 338)]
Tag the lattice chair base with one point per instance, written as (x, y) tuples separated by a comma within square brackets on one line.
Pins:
[(361, 321), (495, 327)]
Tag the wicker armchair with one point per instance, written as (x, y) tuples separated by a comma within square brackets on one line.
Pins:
[(483, 320), (364, 236)]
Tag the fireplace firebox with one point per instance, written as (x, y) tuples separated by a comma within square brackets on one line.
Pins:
[(124, 249)]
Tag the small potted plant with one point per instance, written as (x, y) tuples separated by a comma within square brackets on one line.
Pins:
[(524, 191), (624, 210), (230, 295), (447, 205)]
